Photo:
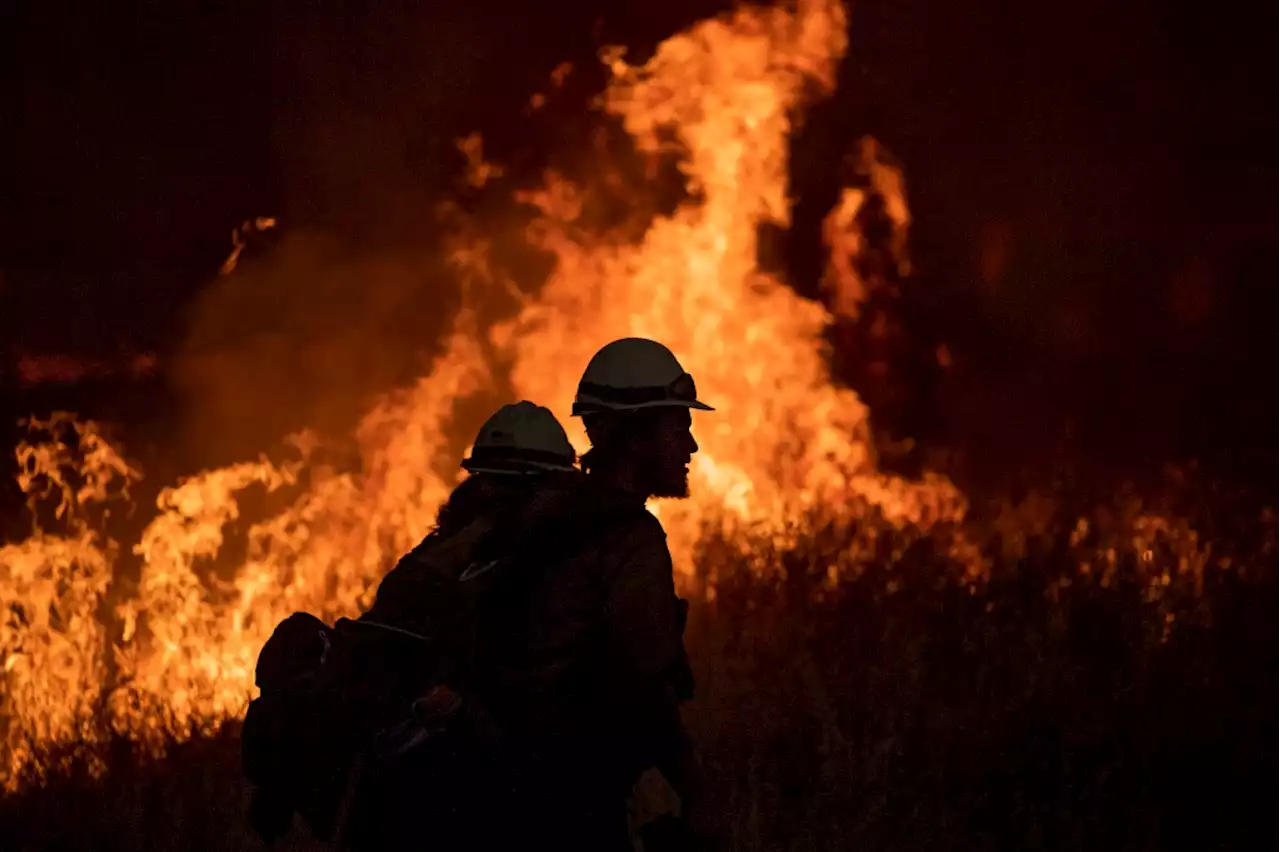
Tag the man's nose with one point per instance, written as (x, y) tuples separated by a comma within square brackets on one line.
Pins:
[(691, 445)]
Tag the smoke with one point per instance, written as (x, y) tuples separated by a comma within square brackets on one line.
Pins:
[(303, 337), (351, 297)]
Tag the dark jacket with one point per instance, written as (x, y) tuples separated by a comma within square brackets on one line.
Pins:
[(578, 651), (582, 645)]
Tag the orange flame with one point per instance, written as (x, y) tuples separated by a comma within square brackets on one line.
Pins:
[(840, 230), (240, 238), (51, 640), (785, 446), (46, 369)]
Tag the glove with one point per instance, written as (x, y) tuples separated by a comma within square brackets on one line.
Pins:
[(698, 828), (661, 821), (651, 798)]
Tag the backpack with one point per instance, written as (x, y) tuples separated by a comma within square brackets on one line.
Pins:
[(329, 695), (353, 718), (285, 776), (307, 740)]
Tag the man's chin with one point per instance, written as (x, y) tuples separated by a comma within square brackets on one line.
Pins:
[(674, 490)]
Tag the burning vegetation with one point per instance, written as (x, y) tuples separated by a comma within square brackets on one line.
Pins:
[(152, 639)]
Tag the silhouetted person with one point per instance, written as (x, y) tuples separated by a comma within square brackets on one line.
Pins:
[(350, 729), (444, 778), (520, 453), (587, 650)]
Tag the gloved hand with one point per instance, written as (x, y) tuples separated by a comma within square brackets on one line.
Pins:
[(651, 798), (661, 821), (702, 828)]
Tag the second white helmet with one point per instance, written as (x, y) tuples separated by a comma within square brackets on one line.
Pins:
[(521, 438)]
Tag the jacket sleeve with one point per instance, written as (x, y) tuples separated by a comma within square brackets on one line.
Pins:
[(644, 646), (644, 635), (402, 590)]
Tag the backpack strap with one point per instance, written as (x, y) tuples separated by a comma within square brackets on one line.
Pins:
[(346, 803)]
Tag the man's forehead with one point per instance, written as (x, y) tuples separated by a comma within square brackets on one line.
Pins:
[(675, 416)]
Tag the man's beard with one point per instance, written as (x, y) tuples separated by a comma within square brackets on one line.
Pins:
[(668, 482)]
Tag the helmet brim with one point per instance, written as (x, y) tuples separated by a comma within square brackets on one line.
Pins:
[(593, 405), (682, 392), (522, 469)]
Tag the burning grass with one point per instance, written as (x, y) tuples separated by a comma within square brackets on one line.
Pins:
[(890, 710)]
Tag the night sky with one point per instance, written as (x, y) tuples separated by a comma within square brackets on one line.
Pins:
[(1094, 237)]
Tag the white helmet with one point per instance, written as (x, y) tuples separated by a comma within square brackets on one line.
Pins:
[(521, 438), (634, 373)]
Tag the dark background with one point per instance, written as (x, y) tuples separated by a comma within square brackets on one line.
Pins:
[(1094, 234)]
